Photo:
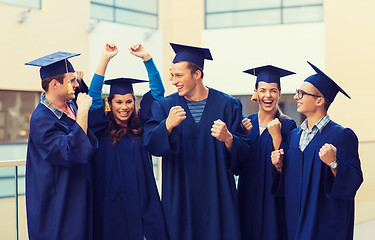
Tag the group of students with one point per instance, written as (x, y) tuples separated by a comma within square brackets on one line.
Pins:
[(89, 171)]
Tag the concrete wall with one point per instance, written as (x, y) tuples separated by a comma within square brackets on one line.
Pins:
[(45, 31), (350, 55), (180, 22)]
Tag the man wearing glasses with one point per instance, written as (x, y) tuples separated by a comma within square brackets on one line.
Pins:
[(320, 172)]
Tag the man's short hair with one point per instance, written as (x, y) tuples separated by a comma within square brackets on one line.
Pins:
[(327, 103), (46, 81), (194, 67)]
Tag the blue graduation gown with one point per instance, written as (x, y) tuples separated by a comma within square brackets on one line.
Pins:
[(58, 177), (262, 214), (126, 199), (198, 190), (319, 205)]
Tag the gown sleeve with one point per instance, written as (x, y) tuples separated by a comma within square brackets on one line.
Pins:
[(277, 187), (62, 146), (241, 144), (151, 207), (97, 119), (349, 175), (155, 82), (156, 91), (95, 91), (287, 127), (156, 138)]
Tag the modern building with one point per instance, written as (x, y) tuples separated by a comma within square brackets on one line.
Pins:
[(336, 35)]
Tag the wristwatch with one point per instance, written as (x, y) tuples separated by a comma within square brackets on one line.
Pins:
[(333, 164)]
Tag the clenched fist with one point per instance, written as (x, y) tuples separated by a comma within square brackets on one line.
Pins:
[(247, 125), (84, 102), (274, 127), (220, 131), (139, 51), (109, 51), (176, 115), (277, 157), (327, 153)]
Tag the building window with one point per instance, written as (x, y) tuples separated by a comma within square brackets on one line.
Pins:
[(142, 13), (241, 13), (16, 108), (24, 3)]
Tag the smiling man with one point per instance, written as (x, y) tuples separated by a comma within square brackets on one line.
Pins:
[(59, 148), (192, 130), (321, 173)]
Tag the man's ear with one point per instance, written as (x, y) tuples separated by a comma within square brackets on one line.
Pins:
[(320, 102), (197, 74), (54, 83)]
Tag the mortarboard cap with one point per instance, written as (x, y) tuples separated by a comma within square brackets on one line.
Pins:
[(269, 74), (192, 54), (324, 84), (54, 64), (122, 86)]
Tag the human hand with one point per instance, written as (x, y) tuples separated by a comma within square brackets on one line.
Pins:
[(246, 123), (327, 153), (139, 51), (84, 102), (277, 157), (274, 128), (109, 51), (220, 131), (176, 115)]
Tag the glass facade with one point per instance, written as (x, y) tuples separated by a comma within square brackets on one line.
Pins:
[(8, 181), (24, 3), (12, 203), (16, 108), (240, 13), (142, 13)]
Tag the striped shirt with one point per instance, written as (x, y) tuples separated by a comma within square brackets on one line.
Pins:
[(307, 136), (196, 109), (58, 112)]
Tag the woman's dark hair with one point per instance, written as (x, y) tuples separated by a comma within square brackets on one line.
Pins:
[(116, 131), (46, 81)]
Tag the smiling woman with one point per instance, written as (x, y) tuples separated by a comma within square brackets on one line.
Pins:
[(123, 117), (122, 108), (267, 130), (126, 200)]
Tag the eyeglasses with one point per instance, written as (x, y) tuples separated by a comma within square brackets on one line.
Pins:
[(300, 94)]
